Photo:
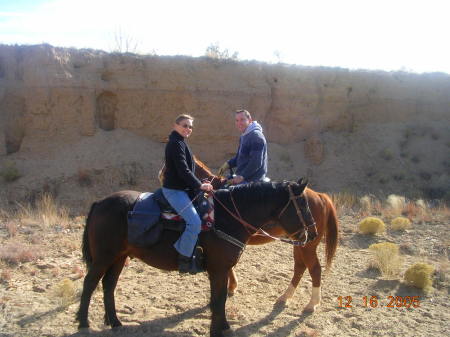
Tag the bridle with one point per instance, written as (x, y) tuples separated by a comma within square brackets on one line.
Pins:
[(259, 231), (293, 199)]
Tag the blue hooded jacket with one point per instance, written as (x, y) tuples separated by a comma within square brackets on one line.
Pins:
[(251, 157)]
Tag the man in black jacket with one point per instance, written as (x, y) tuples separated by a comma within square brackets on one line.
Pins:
[(177, 180)]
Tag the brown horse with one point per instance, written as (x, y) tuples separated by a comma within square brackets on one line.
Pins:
[(105, 244), (324, 214)]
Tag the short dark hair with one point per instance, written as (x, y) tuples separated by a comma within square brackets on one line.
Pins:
[(245, 112), (182, 117)]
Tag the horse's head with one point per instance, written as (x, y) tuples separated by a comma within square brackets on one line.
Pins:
[(204, 173), (295, 217)]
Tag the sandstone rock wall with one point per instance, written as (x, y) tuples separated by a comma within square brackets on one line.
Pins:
[(53, 97)]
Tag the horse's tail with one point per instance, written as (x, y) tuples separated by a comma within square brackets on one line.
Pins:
[(331, 233), (87, 257)]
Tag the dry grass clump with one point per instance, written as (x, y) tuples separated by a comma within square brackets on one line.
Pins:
[(396, 204), (46, 212), (369, 205), (344, 201), (65, 291), (400, 223), (371, 225), (420, 276), (386, 258), (17, 252)]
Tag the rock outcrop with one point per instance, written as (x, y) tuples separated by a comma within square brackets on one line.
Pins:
[(362, 130)]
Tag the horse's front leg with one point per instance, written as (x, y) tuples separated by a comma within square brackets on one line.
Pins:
[(299, 269), (218, 280), (315, 270)]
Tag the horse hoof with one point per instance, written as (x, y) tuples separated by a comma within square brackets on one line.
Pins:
[(86, 331), (117, 327), (310, 308), (230, 293)]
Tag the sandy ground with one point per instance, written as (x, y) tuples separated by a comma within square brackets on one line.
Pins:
[(155, 303)]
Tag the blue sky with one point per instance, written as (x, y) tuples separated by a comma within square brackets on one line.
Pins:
[(357, 34)]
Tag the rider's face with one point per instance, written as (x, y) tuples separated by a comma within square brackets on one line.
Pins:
[(242, 122), (184, 127)]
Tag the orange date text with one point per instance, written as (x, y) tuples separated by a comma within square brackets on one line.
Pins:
[(376, 302)]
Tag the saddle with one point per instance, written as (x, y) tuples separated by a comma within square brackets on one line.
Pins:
[(152, 214)]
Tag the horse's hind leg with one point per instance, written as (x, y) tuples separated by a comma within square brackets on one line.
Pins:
[(109, 283), (95, 272), (299, 269), (315, 270), (232, 282)]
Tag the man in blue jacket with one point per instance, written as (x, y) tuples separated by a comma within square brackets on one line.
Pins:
[(251, 158)]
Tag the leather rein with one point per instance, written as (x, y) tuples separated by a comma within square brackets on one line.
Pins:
[(259, 231)]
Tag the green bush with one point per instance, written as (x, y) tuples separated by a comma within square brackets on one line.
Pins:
[(419, 275), (371, 225)]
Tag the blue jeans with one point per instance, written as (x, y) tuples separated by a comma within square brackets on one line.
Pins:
[(181, 202)]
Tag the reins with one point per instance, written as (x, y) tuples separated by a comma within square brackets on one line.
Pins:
[(260, 231)]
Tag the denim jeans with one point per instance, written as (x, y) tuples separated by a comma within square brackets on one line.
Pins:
[(181, 202)]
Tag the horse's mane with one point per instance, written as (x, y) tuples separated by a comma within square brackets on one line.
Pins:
[(256, 193), (203, 166)]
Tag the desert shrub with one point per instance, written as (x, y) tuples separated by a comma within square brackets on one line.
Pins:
[(371, 225), (17, 252), (396, 204), (386, 258), (419, 275), (10, 173), (65, 292), (400, 223)]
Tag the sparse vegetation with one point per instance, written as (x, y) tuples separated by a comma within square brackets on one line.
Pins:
[(45, 212), (400, 223), (65, 291), (371, 225), (10, 172), (344, 201), (16, 252), (386, 258), (420, 276), (214, 51)]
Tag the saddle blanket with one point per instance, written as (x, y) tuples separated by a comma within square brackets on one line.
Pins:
[(146, 221)]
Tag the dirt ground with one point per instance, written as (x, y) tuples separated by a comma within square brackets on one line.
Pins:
[(33, 301)]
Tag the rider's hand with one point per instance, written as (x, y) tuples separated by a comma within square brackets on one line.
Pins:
[(237, 180), (206, 187), (223, 169)]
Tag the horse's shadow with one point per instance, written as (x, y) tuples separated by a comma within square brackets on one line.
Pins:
[(156, 327), (284, 330), (160, 326)]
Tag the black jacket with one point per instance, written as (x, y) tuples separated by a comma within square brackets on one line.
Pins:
[(180, 165)]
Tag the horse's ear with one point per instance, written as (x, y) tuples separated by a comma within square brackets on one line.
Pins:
[(302, 182)]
